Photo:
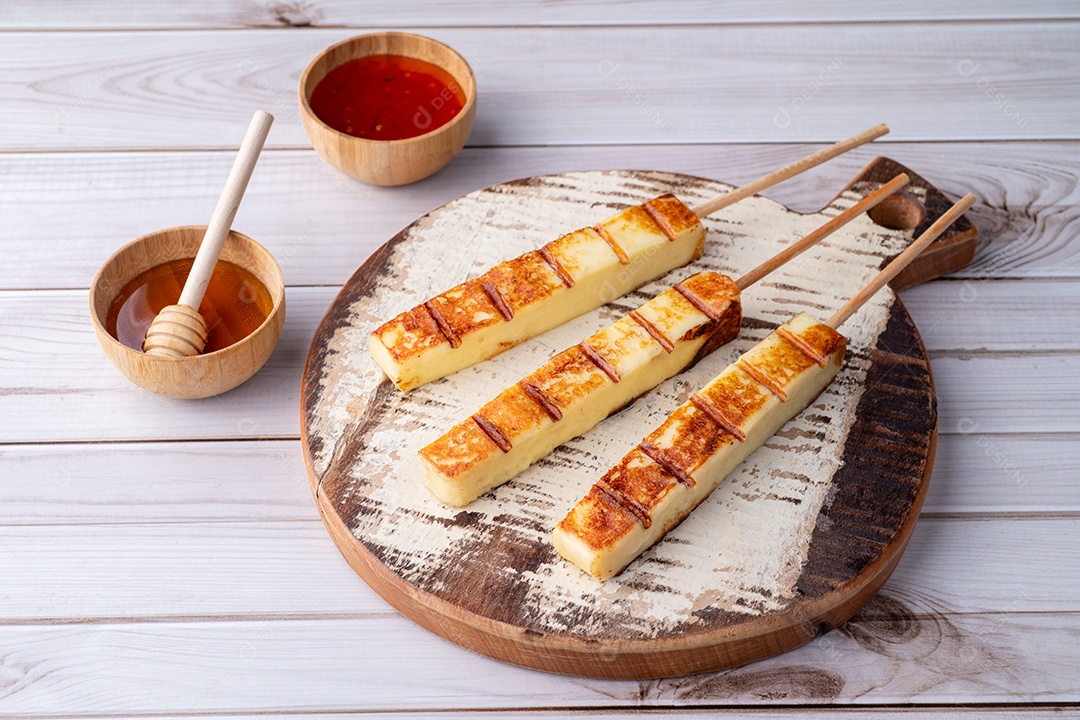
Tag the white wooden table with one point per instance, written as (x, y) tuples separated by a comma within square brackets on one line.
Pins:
[(213, 589)]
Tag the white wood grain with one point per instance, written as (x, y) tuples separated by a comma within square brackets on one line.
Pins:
[(999, 316), (73, 209), (206, 14), (125, 567), (789, 83), (42, 385), (197, 570), (265, 480), (193, 481), (995, 473), (48, 395), (387, 663), (1024, 393)]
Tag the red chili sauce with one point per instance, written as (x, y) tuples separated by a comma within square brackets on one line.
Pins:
[(387, 97)]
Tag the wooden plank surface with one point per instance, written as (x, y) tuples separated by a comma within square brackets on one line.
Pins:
[(95, 484), (308, 216), (1005, 470), (190, 569), (42, 387), (194, 89), (206, 14), (219, 667), (1030, 392)]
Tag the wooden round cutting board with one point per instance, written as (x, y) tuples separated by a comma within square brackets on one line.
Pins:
[(792, 544)]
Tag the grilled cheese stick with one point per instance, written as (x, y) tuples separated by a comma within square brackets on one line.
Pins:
[(581, 386), (521, 298), (656, 485)]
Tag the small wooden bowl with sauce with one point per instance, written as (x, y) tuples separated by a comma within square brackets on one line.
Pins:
[(388, 108), (244, 308)]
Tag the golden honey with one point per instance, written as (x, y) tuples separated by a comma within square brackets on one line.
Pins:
[(234, 306)]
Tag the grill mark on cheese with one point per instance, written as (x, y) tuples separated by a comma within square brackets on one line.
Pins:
[(492, 432), (801, 345), (660, 220), (694, 299), (444, 327), (556, 266), (598, 360), (624, 259), (542, 400), (497, 300), (626, 502), (714, 413), (762, 379), (657, 456), (654, 332)]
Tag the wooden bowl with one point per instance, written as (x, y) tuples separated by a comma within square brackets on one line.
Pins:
[(389, 162), (201, 375)]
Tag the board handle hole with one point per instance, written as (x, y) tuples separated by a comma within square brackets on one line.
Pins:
[(898, 212)]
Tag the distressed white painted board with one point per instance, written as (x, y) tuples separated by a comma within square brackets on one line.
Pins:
[(744, 567)]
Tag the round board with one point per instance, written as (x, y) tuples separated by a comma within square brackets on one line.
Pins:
[(792, 544)]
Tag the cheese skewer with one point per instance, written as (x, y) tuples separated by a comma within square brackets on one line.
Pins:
[(658, 483), (528, 295), (584, 384)]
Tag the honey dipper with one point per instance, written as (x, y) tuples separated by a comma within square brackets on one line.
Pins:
[(179, 330)]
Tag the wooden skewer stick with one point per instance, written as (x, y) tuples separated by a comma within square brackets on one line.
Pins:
[(901, 261), (790, 171), (822, 232), (179, 330)]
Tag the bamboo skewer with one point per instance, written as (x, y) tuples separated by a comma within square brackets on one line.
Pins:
[(822, 232), (901, 261), (790, 171)]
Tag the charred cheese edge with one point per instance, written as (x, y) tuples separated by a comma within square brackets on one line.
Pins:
[(581, 386), (656, 485), (521, 298)]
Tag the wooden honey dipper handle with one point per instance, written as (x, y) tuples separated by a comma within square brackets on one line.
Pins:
[(790, 171), (179, 330), (221, 221)]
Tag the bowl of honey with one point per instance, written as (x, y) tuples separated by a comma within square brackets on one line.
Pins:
[(244, 310), (388, 108)]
